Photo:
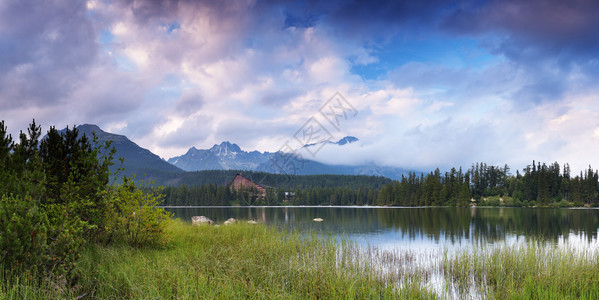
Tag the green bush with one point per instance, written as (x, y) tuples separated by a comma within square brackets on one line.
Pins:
[(38, 241), (65, 240), (490, 201), (132, 218), (23, 231)]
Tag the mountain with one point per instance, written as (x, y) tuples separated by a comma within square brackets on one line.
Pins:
[(225, 156), (341, 142), (137, 160), (228, 156), (347, 140)]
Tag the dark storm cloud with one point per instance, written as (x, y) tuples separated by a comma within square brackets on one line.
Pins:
[(367, 20), (382, 16), (533, 30), (45, 47), (520, 30)]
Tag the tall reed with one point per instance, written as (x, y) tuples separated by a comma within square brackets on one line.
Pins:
[(533, 270)]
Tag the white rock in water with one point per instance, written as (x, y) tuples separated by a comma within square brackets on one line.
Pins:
[(199, 220), (252, 222), (231, 220), (318, 220)]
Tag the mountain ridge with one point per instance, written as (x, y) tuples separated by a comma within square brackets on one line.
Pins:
[(224, 156), (139, 161), (228, 156)]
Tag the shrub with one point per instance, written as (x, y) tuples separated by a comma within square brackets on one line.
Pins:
[(23, 230), (65, 240), (132, 217)]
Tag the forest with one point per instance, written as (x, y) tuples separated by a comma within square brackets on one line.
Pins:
[(538, 184), (285, 181)]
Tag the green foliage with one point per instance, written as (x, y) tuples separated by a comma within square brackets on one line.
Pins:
[(38, 241), (284, 181), (76, 173), (65, 240), (212, 195), (23, 235), (55, 198), (532, 270), (491, 201), (541, 185), (131, 217)]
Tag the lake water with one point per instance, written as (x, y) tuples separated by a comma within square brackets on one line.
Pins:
[(422, 228), (418, 238)]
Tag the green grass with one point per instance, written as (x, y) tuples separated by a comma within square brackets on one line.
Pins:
[(533, 270), (244, 261), (240, 261)]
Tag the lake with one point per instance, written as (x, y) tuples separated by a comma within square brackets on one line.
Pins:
[(416, 240), (422, 228)]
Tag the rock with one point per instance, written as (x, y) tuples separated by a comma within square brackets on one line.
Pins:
[(252, 222), (230, 221), (318, 220), (199, 220)]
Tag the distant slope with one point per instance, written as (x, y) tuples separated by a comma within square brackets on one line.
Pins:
[(137, 160), (223, 177), (228, 156)]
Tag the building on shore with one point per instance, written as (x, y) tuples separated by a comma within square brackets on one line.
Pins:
[(241, 183)]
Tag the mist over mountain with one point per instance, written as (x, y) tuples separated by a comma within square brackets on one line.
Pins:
[(225, 156), (229, 156)]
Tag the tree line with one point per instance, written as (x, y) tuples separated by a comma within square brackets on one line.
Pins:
[(538, 184), (285, 181), (213, 195)]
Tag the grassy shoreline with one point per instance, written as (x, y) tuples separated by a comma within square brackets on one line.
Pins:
[(226, 262), (256, 261)]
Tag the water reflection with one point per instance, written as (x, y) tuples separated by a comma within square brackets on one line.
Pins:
[(437, 225)]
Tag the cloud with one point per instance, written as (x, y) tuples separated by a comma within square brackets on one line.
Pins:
[(364, 20), (181, 73), (46, 49), (532, 30), (189, 103)]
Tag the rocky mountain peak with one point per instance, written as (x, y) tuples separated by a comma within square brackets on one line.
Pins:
[(347, 140), (225, 148)]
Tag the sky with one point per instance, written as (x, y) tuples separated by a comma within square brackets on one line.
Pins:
[(422, 84)]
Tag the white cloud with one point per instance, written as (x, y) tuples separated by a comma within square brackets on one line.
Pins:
[(229, 74)]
